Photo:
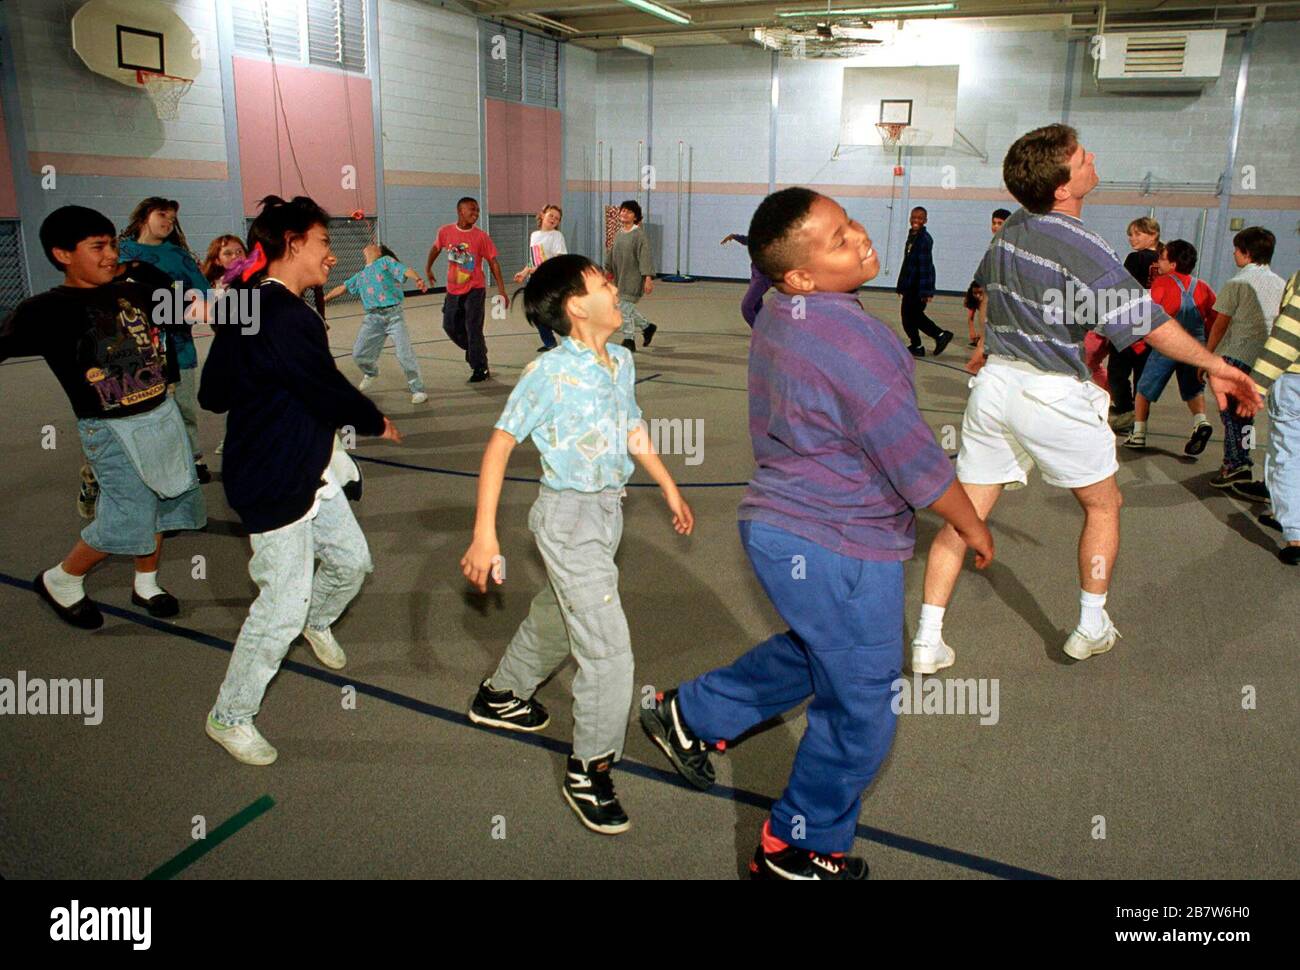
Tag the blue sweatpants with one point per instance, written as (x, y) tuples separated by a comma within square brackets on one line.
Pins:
[(844, 648)]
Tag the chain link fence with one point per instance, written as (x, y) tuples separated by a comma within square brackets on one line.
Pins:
[(14, 287), (348, 239)]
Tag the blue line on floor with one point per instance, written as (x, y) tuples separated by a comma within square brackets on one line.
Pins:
[(929, 850), (534, 481)]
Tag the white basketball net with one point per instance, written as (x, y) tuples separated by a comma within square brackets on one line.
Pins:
[(165, 91), (890, 133)]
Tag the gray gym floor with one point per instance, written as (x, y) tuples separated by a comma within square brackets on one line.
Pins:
[(1151, 742)]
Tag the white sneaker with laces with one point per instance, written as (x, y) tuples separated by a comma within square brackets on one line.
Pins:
[(325, 647), (1136, 439), (419, 397), (1080, 646), (366, 381), (244, 742), (930, 658)]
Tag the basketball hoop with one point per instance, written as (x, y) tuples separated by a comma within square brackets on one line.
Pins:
[(890, 133), (358, 215), (165, 91)]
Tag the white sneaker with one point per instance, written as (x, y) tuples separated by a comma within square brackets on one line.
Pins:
[(366, 381), (930, 658), (325, 647), (1080, 646), (244, 742), (221, 444), (419, 397)]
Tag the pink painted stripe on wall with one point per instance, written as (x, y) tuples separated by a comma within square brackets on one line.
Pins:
[(124, 166), (316, 105), (523, 157), (8, 195)]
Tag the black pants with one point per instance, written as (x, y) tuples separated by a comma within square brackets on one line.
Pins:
[(1123, 371), (915, 322), (462, 321)]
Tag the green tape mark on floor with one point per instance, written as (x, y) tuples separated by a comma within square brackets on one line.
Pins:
[(218, 835)]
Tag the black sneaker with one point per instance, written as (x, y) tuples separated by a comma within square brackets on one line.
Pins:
[(795, 863), (502, 709), (1269, 521), (589, 790), (477, 376), (1254, 491), (942, 341), (1200, 437), (667, 728), (201, 470), (1289, 555), (630, 344), (649, 334), (917, 351), (1225, 479)]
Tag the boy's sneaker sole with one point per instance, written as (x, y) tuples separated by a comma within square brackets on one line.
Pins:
[(1231, 478), (761, 869), (657, 729), (1200, 438), (508, 725)]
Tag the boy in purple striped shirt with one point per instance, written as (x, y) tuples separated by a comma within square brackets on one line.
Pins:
[(843, 459)]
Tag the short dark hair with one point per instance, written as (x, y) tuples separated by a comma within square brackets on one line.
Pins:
[(1038, 164), (554, 283), (465, 198), (920, 208), (634, 207), (776, 220), (1257, 243), (67, 226), (972, 300), (279, 221), (1181, 253), (1003, 214), (385, 251)]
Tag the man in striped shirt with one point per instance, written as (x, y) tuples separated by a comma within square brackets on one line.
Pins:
[(1049, 281), (1277, 374)]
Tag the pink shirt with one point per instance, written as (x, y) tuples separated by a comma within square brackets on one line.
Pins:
[(466, 249)]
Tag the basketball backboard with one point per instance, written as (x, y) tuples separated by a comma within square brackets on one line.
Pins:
[(923, 98), (118, 38)]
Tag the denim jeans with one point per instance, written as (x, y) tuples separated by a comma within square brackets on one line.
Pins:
[(292, 594), (377, 326), (632, 319), (1235, 452), (1282, 465)]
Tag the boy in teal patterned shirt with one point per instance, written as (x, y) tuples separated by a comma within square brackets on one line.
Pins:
[(379, 286), (578, 403)]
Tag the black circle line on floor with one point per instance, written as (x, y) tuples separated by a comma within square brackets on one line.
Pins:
[(929, 850), (535, 481)]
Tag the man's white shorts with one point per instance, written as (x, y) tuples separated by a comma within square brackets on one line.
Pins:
[(1019, 416)]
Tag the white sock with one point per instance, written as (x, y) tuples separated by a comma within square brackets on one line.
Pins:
[(146, 585), (930, 630), (1092, 617), (66, 588), (1199, 419), (1139, 427)]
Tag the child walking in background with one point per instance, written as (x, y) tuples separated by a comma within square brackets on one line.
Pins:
[(1124, 367), (379, 286), (629, 260), (223, 253), (468, 247), (759, 284), (973, 303), (579, 406), (154, 237), (1277, 374), (915, 287), (1191, 302), (826, 538), (545, 242), (1246, 307)]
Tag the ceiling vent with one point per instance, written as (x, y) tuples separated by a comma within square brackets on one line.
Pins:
[(1167, 60)]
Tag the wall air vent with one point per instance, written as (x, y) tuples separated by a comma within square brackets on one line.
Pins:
[(1154, 61)]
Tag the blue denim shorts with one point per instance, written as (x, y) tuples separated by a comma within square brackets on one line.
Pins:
[(128, 514)]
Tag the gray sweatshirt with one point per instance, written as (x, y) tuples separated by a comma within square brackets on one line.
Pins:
[(629, 258)]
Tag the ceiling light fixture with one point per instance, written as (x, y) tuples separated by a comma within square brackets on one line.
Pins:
[(869, 11), (659, 10)]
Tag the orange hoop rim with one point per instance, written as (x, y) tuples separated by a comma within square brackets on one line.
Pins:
[(144, 77), (890, 131)]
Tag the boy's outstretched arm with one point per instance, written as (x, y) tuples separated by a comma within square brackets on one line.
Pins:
[(642, 449), (335, 293), (434, 250), (476, 564), (955, 507), (413, 275)]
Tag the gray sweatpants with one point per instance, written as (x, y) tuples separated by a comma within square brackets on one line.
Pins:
[(292, 594), (577, 612)]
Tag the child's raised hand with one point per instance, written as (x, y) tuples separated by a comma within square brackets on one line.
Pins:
[(390, 432), (683, 517), (478, 562), (519, 277)]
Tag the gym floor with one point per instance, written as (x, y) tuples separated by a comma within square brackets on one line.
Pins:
[(1171, 756)]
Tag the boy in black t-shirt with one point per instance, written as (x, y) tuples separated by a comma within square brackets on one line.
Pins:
[(98, 338)]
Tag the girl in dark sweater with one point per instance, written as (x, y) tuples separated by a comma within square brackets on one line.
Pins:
[(285, 401)]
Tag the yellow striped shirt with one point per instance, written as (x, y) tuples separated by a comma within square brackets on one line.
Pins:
[(1281, 354)]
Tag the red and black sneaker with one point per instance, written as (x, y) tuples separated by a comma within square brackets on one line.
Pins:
[(774, 859), (668, 729)]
